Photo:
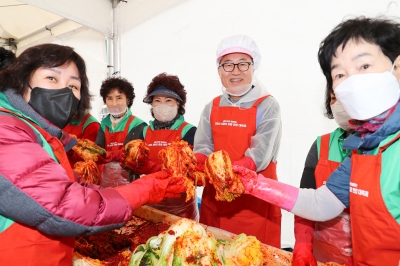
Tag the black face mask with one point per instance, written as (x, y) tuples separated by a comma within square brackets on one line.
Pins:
[(57, 106)]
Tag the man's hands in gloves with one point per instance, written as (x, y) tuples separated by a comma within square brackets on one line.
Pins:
[(151, 189), (199, 177), (246, 162), (274, 192), (303, 250)]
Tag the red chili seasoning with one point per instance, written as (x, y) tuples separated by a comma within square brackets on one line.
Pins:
[(107, 246)]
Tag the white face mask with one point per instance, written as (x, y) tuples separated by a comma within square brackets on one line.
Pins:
[(365, 96), (340, 115), (237, 90), (165, 113), (116, 111)]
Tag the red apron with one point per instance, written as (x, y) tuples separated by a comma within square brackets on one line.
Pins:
[(161, 138), (332, 239), (76, 130), (376, 234), (113, 174), (28, 246), (232, 129), (156, 141), (115, 141)]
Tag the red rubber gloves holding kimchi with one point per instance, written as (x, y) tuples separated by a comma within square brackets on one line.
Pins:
[(151, 189)]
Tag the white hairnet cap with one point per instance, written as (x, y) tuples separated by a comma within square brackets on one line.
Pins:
[(239, 44)]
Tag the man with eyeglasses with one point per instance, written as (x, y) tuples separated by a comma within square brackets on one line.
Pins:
[(245, 121)]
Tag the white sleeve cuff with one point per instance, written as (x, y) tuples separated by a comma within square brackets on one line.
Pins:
[(317, 204)]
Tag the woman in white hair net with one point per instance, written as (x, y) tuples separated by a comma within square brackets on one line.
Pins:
[(245, 121)]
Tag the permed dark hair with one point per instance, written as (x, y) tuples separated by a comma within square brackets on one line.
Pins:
[(120, 84), (18, 75), (172, 83), (380, 31)]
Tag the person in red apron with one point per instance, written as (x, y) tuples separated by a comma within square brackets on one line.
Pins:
[(117, 129), (167, 97), (43, 207), (85, 128), (330, 240), (244, 121), (361, 62)]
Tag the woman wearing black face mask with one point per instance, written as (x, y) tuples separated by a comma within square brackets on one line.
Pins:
[(42, 206)]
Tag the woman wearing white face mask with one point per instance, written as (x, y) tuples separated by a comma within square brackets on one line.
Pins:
[(245, 121), (117, 129), (330, 240), (167, 97), (357, 58)]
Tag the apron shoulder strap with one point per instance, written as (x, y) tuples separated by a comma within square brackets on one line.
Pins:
[(260, 100), (383, 148), (59, 152), (13, 121), (126, 129), (216, 101), (85, 118), (55, 143), (181, 128), (324, 147)]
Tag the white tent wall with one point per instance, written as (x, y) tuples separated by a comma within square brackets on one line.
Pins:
[(183, 40)]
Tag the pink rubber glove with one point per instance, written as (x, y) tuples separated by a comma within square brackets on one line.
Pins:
[(303, 250), (246, 162), (151, 189), (274, 192)]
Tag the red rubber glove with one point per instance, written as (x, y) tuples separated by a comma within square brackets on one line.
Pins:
[(198, 176), (246, 162), (151, 189), (303, 250), (148, 167), (111, 156), (201, 160)]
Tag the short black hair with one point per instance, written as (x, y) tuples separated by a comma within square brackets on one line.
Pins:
[(7, 58), (120, 84), (380, 31)]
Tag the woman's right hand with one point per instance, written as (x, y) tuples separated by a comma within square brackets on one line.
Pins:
[(151, 189)]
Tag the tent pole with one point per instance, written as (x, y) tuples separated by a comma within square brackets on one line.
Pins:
[(45, 28), (116, 40)]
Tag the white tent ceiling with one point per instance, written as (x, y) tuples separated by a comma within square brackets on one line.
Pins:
[(28, 20)]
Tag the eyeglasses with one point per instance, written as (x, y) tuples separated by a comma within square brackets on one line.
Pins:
[(242, 66)]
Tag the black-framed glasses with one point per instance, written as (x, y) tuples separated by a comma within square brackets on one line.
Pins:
[(242, 66)]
